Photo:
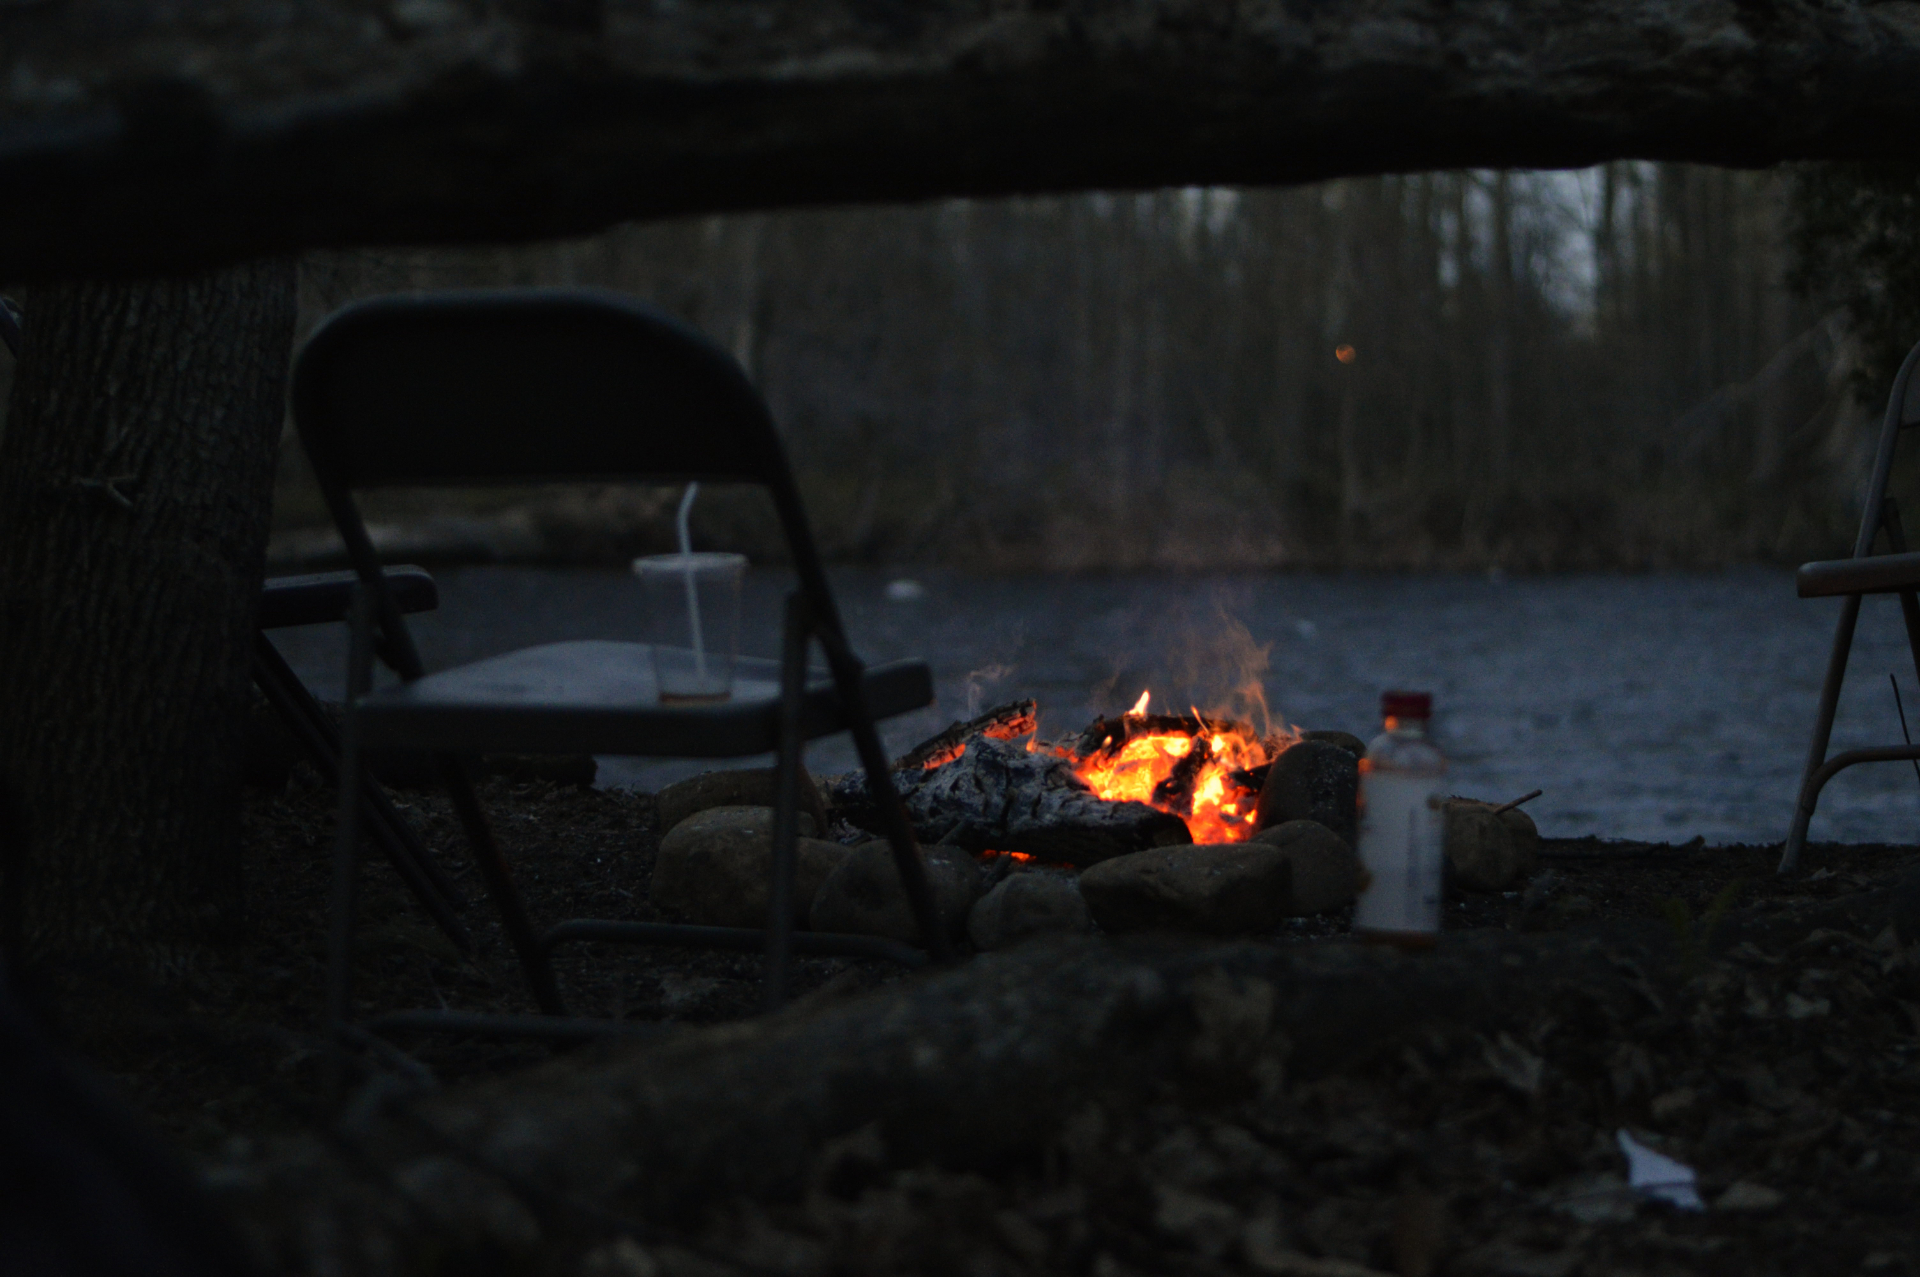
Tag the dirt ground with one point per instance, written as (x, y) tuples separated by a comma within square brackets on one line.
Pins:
[(1787, 1079)]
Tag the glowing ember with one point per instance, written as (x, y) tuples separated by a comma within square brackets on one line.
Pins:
[(1221, 807)]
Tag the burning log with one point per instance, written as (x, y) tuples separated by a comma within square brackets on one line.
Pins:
[(1110, 735), (998, 796), (1206, 770), (993, 795), (1008, 722), (1175, 793)]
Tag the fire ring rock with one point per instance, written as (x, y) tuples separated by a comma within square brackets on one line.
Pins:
[(1027, 904), (741, 787), (863, 896), (1312, 780), (1345, 740), (716, 867), (1221, 889), (1326, 872), (1486, 852)]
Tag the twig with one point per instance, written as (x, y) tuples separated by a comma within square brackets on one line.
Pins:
[(108, 487), (1524, 798)]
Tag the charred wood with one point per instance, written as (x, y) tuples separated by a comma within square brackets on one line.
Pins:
[(1000, 797), (1176, 791), (1110, 735), (1006, 722)]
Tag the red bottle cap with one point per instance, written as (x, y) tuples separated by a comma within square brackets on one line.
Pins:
[(1406, 705)]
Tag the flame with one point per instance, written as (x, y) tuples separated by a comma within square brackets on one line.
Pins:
[(1139, 709), (1222, 806)]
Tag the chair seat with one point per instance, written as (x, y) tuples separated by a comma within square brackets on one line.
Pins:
[(319, 597), (1876, 574), (599, 697)]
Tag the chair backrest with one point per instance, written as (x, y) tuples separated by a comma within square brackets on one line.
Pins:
[(530, 386), (524, 386), (1903, 412)]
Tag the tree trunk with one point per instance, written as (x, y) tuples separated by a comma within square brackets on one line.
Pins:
[(136, 483), (1500, 340)]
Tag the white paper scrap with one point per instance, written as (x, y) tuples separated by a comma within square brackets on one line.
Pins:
[(1658, 1176)]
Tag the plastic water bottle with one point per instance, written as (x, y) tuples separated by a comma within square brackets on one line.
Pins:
[(1401, 828)]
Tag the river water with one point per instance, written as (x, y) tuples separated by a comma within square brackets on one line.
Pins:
[(1654, 707)]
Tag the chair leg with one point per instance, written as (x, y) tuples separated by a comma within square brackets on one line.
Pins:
[(1910, 613), (1909, 603), (893, 813), (1811, 781), (394, 837), (488, 858), (786, 804), (346, 849)]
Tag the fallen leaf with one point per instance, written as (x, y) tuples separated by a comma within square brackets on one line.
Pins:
[(1513, 1064), (1745, 1195)]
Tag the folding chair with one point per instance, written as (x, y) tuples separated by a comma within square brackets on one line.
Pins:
[(315, 599), (1896, 572), (445, 389)]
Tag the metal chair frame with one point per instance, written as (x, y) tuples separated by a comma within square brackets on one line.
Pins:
[(1896, 572), (555, 386), (316, 599)]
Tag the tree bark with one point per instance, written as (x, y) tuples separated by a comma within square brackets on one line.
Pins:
[(141, 136), (135, 487)]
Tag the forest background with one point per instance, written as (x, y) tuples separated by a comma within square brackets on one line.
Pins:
[(1638, 365)]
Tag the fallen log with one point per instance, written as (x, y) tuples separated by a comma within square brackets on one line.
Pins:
[(175, 137), (973, 1068)]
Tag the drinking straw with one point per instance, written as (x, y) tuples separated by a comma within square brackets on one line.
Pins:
[(693, 593)]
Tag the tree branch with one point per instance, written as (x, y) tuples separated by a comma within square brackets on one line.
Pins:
[(138, 137)]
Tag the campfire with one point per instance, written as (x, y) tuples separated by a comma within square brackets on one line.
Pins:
[(1127, 782)]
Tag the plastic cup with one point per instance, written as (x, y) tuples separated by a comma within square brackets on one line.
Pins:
[(692, 622)]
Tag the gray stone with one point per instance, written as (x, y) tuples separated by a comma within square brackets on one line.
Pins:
[(716, 867), (863, 895), (1326, 872), (1027, 904), (1486, 852), (1312, 780), (742, 787), (1345, 740), (1222, 889)]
